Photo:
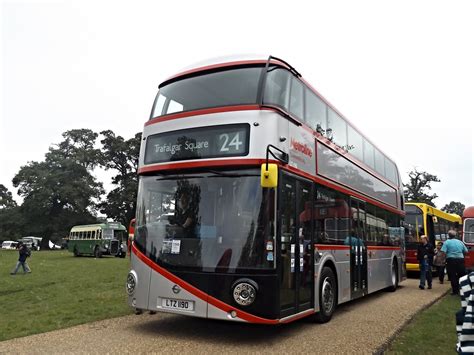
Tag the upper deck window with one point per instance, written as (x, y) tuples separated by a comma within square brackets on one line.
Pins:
[(223, 88)]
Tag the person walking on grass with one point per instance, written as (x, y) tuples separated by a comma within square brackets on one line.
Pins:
[(425, 254), (455, 250), (24, 253), (440, 261)]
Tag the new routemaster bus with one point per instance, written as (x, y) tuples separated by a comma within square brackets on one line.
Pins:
[(258, 201), (98, 239), (468, 236), (422, 219)]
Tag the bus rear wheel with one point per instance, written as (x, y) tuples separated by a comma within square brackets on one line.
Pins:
[(97, 252), (76, 252), (327, 296), (394, 277)]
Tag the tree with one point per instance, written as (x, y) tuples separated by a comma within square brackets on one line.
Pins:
[(454, 207), (121, 155), (60, 191), (10, 216), (6, 198), (419, 185)]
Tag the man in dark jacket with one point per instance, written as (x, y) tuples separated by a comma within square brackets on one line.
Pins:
[(24, 253), (425, 255)]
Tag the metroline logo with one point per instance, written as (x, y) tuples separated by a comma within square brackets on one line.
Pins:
[(302, 148)]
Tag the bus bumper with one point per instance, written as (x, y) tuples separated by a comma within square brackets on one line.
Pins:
[(412, 267)]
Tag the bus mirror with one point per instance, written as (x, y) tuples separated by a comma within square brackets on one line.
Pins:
[(269, 175)]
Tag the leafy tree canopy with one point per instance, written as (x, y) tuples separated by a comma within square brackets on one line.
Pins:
[(418, 187), (60, 191), (454, 207), (6, 198), (122, 156)]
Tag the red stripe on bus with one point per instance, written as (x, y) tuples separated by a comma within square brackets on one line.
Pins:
[(379, 247), (198, 164), (332, 247), (206, 111), (297, 316), (200, 294)]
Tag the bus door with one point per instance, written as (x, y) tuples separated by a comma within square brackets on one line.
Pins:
[(356, 240), (296, 245)]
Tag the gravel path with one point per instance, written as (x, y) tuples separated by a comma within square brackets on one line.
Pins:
[(361, 326)]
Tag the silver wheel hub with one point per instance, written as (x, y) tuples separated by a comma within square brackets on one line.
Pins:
[(327, 293)]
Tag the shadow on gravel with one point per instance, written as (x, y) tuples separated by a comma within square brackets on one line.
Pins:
[(222, 332), (234, 333)]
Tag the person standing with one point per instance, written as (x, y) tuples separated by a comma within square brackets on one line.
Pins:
[(24, 253), (425, 255), (440, 261), (455, 250)]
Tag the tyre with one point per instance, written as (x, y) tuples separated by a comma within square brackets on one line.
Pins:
[(327, 296), (97, 252), (394, 277), (76, 252)]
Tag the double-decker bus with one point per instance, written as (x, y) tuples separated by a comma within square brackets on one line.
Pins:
[(108, 238), (423, 219), (258, 201), (468, 236)]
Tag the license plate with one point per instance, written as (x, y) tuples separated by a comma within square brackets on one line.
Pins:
[(183, 305)]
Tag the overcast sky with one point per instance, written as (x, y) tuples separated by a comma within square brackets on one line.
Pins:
[(401, 71)]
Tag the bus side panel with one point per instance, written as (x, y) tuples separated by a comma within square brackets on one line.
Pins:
[(142, 290), (469, 258), (341, 260), (379, 269)]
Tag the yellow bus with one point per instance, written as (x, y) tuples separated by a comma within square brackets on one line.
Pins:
[(423, 219)]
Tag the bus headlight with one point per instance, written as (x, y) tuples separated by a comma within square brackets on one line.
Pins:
[(131, 283), (244, 292)]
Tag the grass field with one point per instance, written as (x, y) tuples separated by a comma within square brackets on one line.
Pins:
[(431, 332), (61, 291)]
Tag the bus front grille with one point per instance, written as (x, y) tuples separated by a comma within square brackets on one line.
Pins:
[(114, 246)]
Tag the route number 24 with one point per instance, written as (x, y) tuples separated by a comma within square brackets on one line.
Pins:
[(230, 142)]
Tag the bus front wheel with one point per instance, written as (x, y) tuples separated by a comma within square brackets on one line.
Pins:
[(76, 252), (97, 252), (327, 296)]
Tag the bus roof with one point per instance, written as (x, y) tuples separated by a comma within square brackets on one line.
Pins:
[(112, 225), (261, 59), (452, 217), (468, 212)]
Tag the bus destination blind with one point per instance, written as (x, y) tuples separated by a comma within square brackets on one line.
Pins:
[(198, 143)]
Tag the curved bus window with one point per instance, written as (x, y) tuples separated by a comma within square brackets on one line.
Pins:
[(354, 140), (338, 126), (223, 88), (277, 88), (296, 99), (469, 230), (206, 221)]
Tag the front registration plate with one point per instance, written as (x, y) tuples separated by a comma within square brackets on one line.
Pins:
[(183, 305)]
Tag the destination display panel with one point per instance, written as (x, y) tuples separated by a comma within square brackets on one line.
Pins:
[(198, 143)]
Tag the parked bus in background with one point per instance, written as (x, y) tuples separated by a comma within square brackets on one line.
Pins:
[(468, 236), (98, 239), (423, 219), (258, 201), (131, 232)]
